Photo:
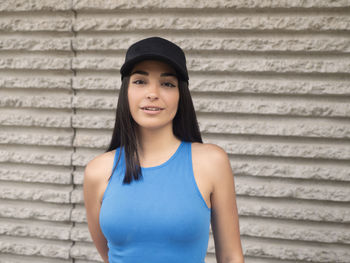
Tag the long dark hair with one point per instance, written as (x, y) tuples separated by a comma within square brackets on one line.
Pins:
[(185, 128)]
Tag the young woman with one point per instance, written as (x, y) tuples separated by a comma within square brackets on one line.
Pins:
[(152, 195)]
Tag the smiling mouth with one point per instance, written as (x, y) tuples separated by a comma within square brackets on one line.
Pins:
[(151, 108)]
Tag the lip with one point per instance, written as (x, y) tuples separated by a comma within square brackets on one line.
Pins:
[(151, 112), (151, 106)]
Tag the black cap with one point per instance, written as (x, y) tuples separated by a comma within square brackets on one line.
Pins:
[(155, 48)]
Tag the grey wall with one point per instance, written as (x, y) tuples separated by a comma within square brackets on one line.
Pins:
[(270, 82)]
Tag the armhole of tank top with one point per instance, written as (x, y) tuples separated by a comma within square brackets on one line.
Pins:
[(193, 179), (110, 180)]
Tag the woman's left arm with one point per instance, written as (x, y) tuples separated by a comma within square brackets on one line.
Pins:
[(224, 217)]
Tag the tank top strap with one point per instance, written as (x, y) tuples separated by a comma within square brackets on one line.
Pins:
[(189, 175), (186, 156), (117, 171), (180, 166)]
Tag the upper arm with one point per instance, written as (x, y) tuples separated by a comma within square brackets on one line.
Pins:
[(92, 191), (224, 218)]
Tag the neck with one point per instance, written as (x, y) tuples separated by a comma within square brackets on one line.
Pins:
[(156, 141)]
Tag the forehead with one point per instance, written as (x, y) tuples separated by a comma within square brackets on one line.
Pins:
[(153, 65)]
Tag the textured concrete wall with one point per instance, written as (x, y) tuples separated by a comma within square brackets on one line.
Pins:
[(270, 82)]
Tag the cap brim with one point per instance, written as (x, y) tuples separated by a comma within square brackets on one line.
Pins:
[(127, 67)]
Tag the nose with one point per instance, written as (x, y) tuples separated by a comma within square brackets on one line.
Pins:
[(152, 96), (152, 92)]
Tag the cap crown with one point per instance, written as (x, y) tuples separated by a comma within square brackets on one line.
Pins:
[(156, 48)]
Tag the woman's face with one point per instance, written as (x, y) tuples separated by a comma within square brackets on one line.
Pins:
[(153, 94)]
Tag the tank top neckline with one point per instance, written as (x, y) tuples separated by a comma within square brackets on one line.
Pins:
[(167, 161)]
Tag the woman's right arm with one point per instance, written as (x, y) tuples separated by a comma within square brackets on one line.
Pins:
[(92, 191)]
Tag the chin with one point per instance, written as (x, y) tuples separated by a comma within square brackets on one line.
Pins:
[(153, 124)]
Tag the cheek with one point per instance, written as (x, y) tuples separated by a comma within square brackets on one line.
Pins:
[(132, 98), (171, 98), (129, 98), (175, 100)]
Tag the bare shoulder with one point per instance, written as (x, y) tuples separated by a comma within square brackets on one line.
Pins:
[(209, 153), (212, 159), (99, 168)]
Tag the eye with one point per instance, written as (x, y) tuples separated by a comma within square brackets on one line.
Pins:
[(171, 85), (138, 81)]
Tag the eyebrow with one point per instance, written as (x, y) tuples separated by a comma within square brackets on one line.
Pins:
[(165, 74)]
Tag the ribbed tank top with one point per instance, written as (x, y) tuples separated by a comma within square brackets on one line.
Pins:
[(160, 218)]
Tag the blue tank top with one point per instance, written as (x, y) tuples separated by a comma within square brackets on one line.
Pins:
[(160, 218)]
